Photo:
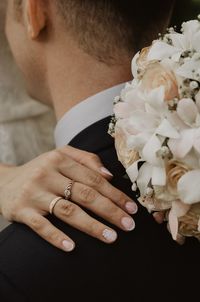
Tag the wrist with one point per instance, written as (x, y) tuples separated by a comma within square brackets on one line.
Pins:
[(5, 172), (4, 168)]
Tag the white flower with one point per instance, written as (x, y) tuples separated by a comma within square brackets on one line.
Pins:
[(191, 31), (161, 50), (188, 187), (188, 40), (134, 66), (190, 69), (158, 128), (188, 113)]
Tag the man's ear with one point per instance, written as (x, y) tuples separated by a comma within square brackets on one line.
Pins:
[(35, 17)]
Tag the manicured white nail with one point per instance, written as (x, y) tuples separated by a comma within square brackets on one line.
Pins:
[(109, 235), (131, 207), (68, 246), (128, 223), (106, 171)]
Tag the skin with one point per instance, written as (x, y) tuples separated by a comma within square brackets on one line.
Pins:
[(51, 60), (53, 65), (26, 193)]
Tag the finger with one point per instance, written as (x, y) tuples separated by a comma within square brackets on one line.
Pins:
[(159, 217), (98, 204), (93, 179), (73, 215), (46, 230), (90, 160), (102, 206)]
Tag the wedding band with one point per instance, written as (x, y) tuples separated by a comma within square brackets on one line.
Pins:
[(68, 190), (53, 203)]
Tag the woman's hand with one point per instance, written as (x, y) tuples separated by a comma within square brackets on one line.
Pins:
[(27, 191)]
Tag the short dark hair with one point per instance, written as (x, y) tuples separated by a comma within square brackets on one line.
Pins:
[(110, 30), (106, 29)]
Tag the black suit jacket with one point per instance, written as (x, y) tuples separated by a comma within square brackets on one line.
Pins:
[(143, 265)]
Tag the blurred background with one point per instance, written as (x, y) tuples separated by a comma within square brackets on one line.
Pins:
[(185, 10)]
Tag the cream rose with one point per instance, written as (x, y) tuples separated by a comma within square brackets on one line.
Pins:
[(126, 157), (189, 224), (157, 75), (175, 170), (142, 61)]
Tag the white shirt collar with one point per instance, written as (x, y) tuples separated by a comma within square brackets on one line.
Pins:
[(86, 113)]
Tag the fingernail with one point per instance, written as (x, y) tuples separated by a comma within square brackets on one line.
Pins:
[(109, 235), (131, 207), (106, 171), (68, 246), (128, 223)]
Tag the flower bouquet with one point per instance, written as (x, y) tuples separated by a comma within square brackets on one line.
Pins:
[(156, 127)]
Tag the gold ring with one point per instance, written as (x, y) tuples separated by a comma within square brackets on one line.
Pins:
[(68, 190), (53, 203)]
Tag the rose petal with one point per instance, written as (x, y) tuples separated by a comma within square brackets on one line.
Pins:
[(187, 111), (188, 187), (173, 224), (134, 66), (180, 209), (167, 130)]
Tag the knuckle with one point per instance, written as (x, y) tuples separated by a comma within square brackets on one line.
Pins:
[(35, 223), (122, 199), (87, 194), (111, 211), (95, 229), (93, 157), (115, 213), (95, 179), (67, 209), (52, 236), (38, 174), (71, 164), (55, 157), (25, 193), (9, 214)]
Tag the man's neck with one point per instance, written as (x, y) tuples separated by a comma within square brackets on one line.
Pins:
[(74, 76)]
